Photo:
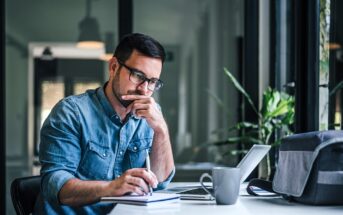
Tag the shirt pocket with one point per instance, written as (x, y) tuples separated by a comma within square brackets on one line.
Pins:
[(137, 152), (95, 162)]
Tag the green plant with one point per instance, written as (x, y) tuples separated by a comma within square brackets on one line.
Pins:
[(277, 112)]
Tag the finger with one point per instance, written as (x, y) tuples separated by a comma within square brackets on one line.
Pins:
[(138, 176), (122, 186), (142, 101), (140, 106), (134, 97), (135, 189), (143, 113), (147, 176), (135, 105), (139, 182), (154, 177)]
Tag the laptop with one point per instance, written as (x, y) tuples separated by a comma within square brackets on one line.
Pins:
[(246, 165)]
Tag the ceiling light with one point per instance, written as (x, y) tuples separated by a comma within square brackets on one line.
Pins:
[(89, 31), (47, 54)]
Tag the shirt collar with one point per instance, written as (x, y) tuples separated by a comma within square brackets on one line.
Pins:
[(110, 112), (131, 115)]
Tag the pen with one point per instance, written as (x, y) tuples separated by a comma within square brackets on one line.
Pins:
[(147, 162)]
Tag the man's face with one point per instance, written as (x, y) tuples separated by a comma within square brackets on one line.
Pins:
[(121, 83)]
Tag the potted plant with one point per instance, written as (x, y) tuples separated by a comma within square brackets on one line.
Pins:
[(276, 113)]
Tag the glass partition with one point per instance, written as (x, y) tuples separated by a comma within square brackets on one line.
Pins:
[(200, 37), (37, 78)]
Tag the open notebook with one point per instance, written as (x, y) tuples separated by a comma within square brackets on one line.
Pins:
[(154, 199)]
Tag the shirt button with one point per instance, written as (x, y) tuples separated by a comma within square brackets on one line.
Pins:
[(104, 154), (135, 148), (121, 152)]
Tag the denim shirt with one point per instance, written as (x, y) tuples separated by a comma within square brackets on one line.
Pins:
[(84, 138)]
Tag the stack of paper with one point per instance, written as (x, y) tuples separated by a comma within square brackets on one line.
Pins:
[(155, 198)]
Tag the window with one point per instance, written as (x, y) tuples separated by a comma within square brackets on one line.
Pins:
[(57, 78), (43, 22), (200, 37), (332, 64), (81, 87), (52, 92)]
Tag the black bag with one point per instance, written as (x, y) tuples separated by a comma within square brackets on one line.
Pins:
[(309, 169)]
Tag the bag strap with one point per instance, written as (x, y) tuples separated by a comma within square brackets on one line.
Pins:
[(262, 184)]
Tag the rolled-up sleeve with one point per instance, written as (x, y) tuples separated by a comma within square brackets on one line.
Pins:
[(164, 184), (53, 182), (59, 149)]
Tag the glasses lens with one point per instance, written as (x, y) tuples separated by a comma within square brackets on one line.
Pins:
[(157, 84), (137, 77)]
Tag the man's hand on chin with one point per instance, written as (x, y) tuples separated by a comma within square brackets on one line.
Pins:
[(146, 107)]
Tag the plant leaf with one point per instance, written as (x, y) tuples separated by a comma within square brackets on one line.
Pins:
[(242, 125), (271, 99), (235, 152), (336, 88), (241, 89), (281, 109), (244, 139), (216, 98)]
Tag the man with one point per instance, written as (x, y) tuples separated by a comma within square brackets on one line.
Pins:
[(95, 144)]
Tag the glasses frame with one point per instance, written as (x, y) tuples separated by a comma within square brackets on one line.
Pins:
[(158, 82)]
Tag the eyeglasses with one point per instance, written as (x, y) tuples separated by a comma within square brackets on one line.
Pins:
[(138, 77)]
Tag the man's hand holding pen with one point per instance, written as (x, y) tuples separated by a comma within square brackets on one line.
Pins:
[(161, 162), (137, 180)]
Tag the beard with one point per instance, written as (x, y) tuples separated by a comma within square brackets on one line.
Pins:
[(125, 103), (117, 94)]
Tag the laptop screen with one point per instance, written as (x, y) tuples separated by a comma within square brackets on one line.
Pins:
[(252, 159)]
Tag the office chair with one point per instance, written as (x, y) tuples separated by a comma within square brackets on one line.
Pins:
[(24, 192)]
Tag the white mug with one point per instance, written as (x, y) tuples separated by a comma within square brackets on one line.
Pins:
[(226, 183)]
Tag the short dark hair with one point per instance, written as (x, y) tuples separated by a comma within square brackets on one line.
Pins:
[(140, 42)]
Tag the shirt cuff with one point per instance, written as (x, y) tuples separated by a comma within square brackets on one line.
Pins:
[(164, 184), (52, 184)]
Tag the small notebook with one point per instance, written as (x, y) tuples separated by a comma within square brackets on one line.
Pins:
[(143, 200)]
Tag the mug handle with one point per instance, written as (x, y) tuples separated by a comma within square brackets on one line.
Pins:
[(203, 176)]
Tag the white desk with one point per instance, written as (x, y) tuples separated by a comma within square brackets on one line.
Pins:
[(245, 205)]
